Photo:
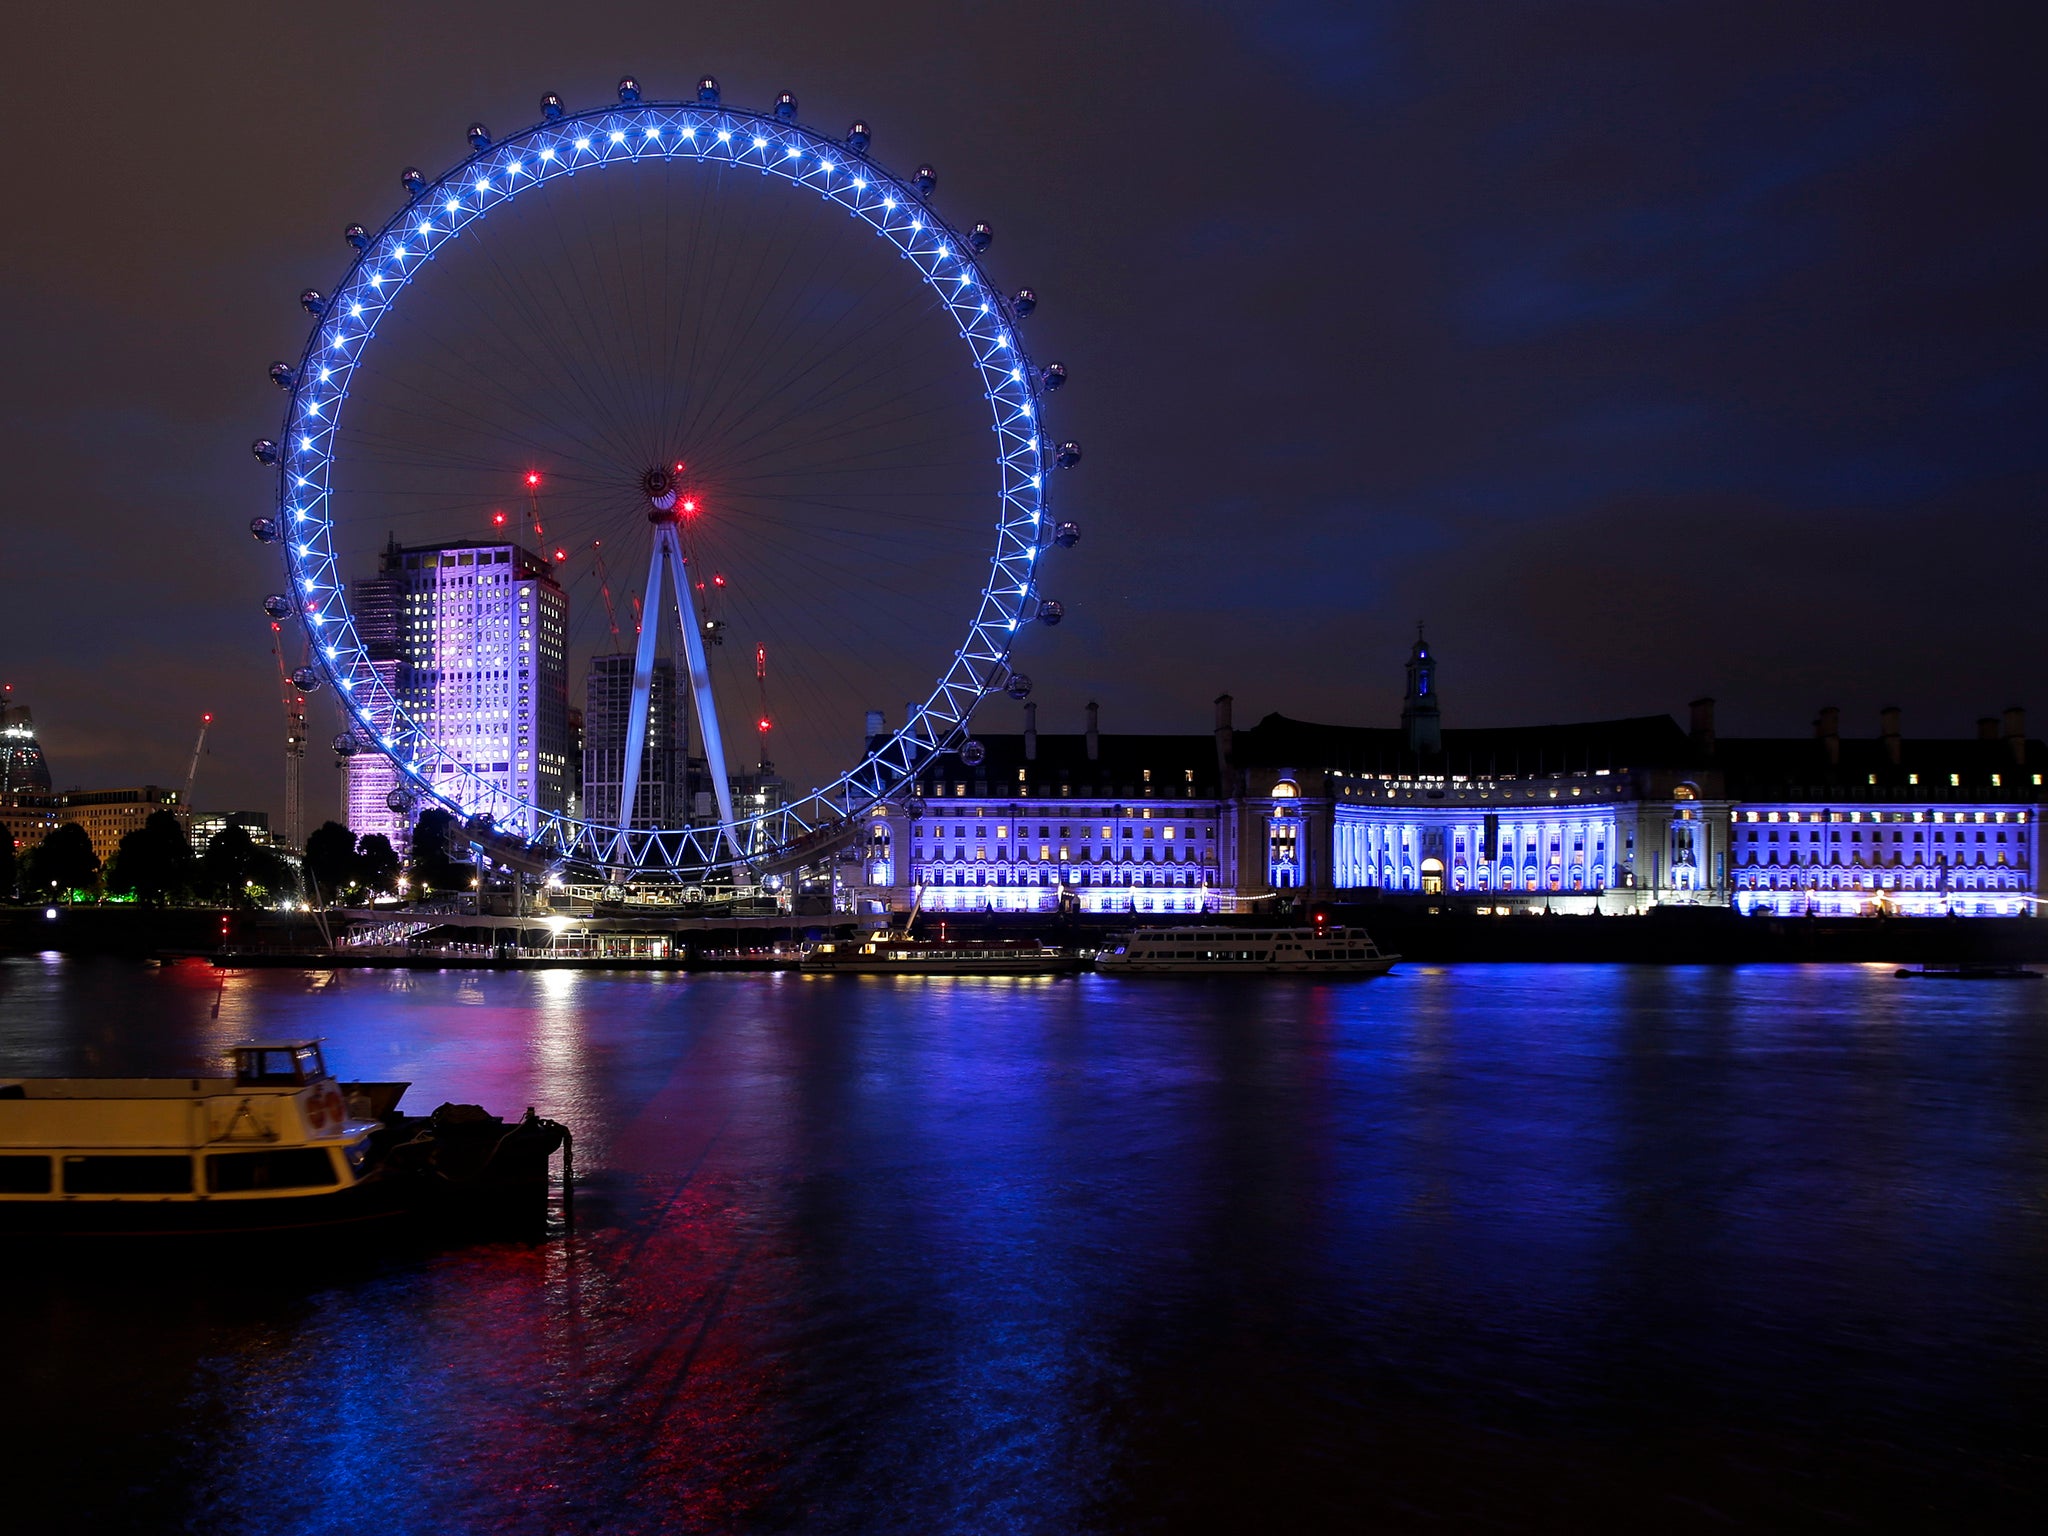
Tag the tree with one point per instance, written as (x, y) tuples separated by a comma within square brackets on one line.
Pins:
[(331, 860), (432, 868), (233, 869), (64, 865), (154, 862), (378, 864), (7, 864)]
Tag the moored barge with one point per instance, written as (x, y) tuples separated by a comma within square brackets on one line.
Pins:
[(278, 1146)]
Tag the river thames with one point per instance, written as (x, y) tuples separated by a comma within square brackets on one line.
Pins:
[(1510, 1247)]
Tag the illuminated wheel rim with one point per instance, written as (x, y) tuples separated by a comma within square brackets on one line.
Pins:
[(440, 211)]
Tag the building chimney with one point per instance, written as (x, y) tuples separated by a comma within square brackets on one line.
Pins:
[(1888, 731), (1703, 724), (1223, 733), (1827, 726), (1987, 728), (1030, 733), (875, 726), (2016, 732), (1094, 735)]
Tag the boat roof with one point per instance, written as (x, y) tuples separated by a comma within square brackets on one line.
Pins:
[(276, 1045)]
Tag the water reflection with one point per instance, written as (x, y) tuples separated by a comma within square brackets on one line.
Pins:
[(1527, 1246)]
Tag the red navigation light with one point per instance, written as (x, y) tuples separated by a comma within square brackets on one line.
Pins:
[(206, 719), (532, 478), (561, 554), (717, 580), (497, 519), (689, 504), (764, 722), (679, 466)]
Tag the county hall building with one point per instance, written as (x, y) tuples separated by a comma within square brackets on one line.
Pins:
[(1612, 816)]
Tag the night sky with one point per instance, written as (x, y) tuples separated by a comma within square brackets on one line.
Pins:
[(1643, 350)]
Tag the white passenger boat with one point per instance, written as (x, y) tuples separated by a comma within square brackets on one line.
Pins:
[(895, 954), (1197, 951), (278, 1145)]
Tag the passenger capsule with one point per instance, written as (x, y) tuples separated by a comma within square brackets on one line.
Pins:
[(974, 754), (629, 90), (551, 107), (925, 179), (707, 91), (264, 530), (915, 805), (1067, 535), (785, 108), (1054, 377), (279, 607), (413, 182), (282, 376), (1019, 686), (857, 137), (313, 303), (265, 450), (357, 236), (346, 745), (980, 238), (398, 802), (479, 138), (1067, 455), (1050, 612), (306, 679), (1025, 302)]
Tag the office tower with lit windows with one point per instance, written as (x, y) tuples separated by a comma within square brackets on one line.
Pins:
[(483, 653)]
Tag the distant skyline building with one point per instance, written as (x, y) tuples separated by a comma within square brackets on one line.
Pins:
[(369, 778), (663, 797), (22, 765)]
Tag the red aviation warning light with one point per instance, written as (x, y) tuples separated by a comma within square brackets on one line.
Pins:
[(717, 580), (690, 504), (561, 555), (532, 477)]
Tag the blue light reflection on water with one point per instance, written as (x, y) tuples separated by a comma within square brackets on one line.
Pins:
[(1475, 1243)]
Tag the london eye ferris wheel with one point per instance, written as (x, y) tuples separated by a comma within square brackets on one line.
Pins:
[(723, 440)]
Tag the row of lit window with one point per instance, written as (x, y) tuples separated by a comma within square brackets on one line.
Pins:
[(2020, 817)]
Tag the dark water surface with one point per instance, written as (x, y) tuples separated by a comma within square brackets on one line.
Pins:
[(1481, 1246)]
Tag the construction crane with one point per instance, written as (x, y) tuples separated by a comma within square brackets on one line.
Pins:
[(192, 771), (294, 740), (533, 504), (763, 722), (604, 586)]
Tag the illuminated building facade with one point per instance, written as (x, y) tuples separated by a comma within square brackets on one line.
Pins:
[(1609, 816), (108, 815), (1102, 823), (483, 665), (1859, 827)]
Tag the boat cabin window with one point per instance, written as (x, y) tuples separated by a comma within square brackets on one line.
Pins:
[(286, 1168), (24, 1175), (128, 1174), (278, 1066)]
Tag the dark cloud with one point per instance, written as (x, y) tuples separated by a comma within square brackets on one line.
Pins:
[(1644, 349)]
